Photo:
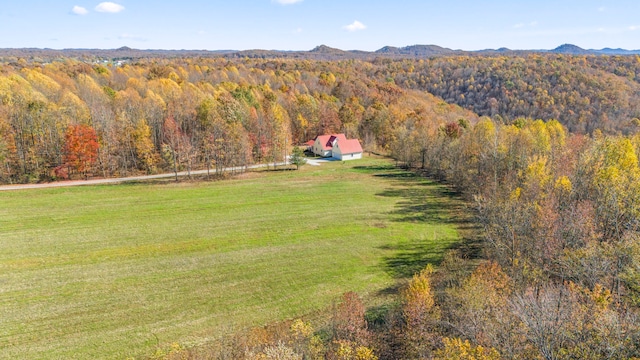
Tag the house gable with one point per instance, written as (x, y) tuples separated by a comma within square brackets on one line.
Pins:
[(323, 144)]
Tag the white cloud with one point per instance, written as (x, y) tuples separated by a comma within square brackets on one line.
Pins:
[(518, 26), (355, 26), (79, 10), (297, 31), (634, 27), (287, 2), (109, 7), (602, 9)]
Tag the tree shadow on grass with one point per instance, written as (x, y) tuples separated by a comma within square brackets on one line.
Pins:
[(374, 168), (410, 257), (136, 183), (421, 200)]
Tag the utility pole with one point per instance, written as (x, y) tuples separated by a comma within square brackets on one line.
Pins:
[(286, 161)]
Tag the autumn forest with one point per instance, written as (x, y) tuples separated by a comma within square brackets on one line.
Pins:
[(543, 148)]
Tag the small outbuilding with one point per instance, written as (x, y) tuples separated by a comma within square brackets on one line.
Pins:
[(309, 145)]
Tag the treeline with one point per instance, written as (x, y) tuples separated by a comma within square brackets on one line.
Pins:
[(168, 114), (560, 215), (584, 93), (72, 119)]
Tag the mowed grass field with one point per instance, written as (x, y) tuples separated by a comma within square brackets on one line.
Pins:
[(114, 271)]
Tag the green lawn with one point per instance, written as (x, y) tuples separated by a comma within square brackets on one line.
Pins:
[(112, 271)]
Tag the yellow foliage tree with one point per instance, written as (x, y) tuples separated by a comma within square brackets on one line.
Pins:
[(145, 150), (457, 349), (420, 313)]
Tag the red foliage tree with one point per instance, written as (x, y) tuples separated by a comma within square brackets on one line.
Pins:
[(452, 130), (81, 148), (349, 321)]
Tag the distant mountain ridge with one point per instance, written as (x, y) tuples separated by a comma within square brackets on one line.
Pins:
[(570, 49), (416, 50), (321, 52), (576, 50)]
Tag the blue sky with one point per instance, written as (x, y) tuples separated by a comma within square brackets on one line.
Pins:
[(304, 24)]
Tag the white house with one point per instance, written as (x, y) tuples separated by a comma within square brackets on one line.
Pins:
[(323, 144), (347, 149), (336, 146)]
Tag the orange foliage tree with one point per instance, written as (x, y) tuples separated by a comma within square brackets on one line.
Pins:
[(81, 148)]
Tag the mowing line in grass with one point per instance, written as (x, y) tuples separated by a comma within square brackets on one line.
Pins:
[(109, 271)]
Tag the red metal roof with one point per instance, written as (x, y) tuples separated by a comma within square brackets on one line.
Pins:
[(327, 140), (322, 139), (350, 146)]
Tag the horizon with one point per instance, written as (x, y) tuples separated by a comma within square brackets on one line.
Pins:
[(301, 25), (125, 47)]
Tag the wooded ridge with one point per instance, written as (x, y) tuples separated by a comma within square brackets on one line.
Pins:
[(76, 118)]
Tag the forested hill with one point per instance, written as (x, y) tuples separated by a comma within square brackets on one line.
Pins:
[(584, 89), (75, 119), (156, 114), (583, 92)]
